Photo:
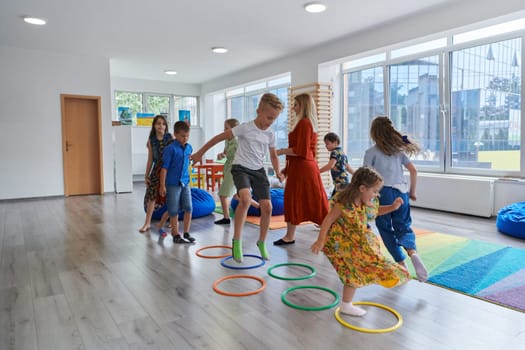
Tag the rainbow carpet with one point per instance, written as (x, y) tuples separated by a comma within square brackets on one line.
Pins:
[(488, 271)]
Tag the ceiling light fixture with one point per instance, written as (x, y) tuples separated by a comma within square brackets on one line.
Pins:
[(170, 72), (314, 7), (218, 49), (35, 21)]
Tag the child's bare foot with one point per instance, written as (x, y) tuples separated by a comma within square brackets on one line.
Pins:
[(144, 228)]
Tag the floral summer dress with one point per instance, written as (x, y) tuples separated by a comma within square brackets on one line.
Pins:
[(152, 191), (353, 250)]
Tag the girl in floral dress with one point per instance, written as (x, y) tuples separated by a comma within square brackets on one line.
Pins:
[(159, 137), (349, 243)]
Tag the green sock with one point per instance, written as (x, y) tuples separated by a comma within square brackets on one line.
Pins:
[(237, 250), (262, 248)]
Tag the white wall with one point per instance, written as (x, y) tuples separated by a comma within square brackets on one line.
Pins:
[(30, 115)]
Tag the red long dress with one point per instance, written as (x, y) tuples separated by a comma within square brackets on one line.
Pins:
[(304, 194)]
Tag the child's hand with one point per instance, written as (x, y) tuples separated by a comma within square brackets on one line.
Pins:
[(221, 156), (162, 190), (397, 203), (196, 157), (280, 176), (317, 246), (412, 195)]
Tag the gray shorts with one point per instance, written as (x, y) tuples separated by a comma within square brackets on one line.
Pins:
[(254, 179)]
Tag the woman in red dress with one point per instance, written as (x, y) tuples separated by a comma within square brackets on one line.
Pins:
[(304, 194)]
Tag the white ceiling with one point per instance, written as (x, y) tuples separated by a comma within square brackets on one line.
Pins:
[(144, 38)]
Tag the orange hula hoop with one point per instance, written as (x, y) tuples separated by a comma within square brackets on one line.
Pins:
[(198, 252), (244, 294)]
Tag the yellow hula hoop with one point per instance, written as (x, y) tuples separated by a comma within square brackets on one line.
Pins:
[(369, 330)]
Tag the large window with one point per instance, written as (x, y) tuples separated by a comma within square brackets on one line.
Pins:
[(241, 103), (414, 105), (459, 99), (146, 105), (486, 106), (364, 100)]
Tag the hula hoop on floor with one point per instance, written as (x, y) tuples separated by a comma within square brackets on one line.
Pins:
[(312, 274), (369, 330), (198, 252), (230, 294), (310, 308), (223, 262)]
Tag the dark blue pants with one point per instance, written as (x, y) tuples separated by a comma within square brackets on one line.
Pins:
[(395, 227)]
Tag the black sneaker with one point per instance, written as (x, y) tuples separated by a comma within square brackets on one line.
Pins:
[(188, 237), (179, 240), (222, 221)]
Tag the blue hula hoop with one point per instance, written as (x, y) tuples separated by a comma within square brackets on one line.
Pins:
[(223, 262)]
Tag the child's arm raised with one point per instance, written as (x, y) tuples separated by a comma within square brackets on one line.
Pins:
[(226, 135), (385, 209), (332, 215)]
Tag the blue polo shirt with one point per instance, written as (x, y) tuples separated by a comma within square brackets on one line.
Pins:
[(176, 158)]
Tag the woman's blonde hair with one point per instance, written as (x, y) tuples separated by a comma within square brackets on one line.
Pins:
[(363, 176), (389, 140), (306, 109)]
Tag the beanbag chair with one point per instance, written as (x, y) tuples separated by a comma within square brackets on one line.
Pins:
[(202, 202), (511, 220), (277, 198)]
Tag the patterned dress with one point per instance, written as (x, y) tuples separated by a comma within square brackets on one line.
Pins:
[(353, 250), (152, 191)]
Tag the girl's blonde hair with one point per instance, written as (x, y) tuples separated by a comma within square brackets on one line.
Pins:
[(389, 140), (232, 122), (363, 176), (307, 109)]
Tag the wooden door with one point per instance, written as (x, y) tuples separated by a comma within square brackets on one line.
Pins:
[(82, 145)]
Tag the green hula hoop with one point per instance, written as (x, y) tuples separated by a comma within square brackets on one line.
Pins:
[(312, 274), (308, 308)]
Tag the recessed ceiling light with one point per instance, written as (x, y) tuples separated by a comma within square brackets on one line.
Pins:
[(314, 7), (35, 21), (170, 72), (219, 49)]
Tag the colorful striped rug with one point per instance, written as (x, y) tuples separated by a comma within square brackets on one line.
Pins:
[(488, 271)]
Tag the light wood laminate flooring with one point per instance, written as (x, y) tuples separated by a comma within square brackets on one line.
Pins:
[(76, 274)]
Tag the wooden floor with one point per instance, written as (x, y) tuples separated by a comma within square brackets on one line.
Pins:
[(76, 274)]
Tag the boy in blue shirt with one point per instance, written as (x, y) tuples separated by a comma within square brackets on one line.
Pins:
[(175, 182)]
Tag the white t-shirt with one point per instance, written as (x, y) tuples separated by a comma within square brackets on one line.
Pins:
[(253, 144)]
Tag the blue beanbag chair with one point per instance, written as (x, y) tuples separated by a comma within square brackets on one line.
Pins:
[(277, 198), (202, 202), (511, 220)]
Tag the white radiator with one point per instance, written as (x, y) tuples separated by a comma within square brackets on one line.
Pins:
[(455, 193)]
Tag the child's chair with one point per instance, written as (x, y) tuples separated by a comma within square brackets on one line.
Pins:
[(196, 178)]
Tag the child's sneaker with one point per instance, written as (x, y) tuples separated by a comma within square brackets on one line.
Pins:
[(188, 237), (162, 234), (177, 239), (237, 250), (264, 252)]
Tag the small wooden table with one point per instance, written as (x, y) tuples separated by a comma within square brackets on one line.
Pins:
[(214, 173)]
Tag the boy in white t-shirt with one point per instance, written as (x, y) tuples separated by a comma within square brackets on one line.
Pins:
[(255, 138)]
